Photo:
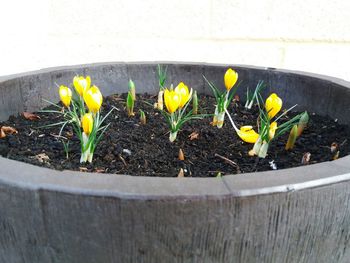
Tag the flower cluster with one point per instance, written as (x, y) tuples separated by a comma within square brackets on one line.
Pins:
[(83, 112), (176, 102), (269, 128)]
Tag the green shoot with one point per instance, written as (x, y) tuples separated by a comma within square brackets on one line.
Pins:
[(195, 103), (292, 137), (143, 120), (303, 123), (130, 104), (66, 148), (162, 75), (132, 89)]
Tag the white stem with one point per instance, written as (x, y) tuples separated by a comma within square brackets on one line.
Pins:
[(90, 156), (247, 101), (220, 119), (263, 149), (226, 99), (87, 154), (257, 146), (172, 136), (250, 104), (233, 124)]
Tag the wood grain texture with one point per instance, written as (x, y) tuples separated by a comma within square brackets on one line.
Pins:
[(311, 225)]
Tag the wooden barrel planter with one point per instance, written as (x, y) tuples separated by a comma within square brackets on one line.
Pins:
[(293, 215)]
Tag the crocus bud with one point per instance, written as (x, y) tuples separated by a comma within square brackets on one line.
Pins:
[(87, 123), (143, 117), (65, 95), (230, 79), (81, 84), (172, 100), (185, 95), (272, 131), (273, 105), (93, 99)]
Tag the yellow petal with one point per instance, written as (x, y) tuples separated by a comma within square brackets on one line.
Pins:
[(272, 131), (87, 123), (88, 82), (65, 95), (273, 105), (247, 134), (230, 78), (81, 84), (172, 100), (182, 90), (93, 99), (166, 98)]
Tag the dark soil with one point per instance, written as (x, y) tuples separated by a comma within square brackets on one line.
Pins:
[(144, 150)]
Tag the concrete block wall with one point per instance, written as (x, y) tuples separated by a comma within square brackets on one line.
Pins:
[(310, 35)]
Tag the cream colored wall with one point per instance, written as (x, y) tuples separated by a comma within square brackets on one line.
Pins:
[(309, 35)]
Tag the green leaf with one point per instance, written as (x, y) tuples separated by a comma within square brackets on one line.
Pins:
[(162, 75), (215, 91), (53, 104)]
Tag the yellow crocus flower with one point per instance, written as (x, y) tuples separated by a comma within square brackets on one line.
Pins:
[(185, 95), (272, 131), (230, 79), (172, 100), (87, 122), (93, 99), (273, 105), (247, 134), (81, 84), (65, 95)]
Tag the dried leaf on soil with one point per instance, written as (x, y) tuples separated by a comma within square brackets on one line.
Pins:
[(30, 116), (7, 130), (2, 134), (193, 136)]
